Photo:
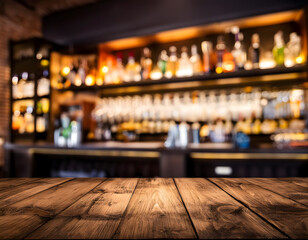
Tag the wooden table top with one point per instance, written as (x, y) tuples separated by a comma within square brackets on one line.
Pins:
[(131, 208)]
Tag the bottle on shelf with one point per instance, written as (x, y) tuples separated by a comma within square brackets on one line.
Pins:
[(254, 51), (108, 69), (209, 57), (195, 61), (228, 64), (162, 62), (119, 70), (293, 51), (239, 51), (160, 69), (172, 64), (185, 68), (81, 72), (90, 77), (72, 78), (146, 63), (43, 87), (132, 69), (279, 47), (220, 52)]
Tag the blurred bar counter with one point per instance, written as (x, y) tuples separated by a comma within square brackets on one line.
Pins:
[(151, 159)]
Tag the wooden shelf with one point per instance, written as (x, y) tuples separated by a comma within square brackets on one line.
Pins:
[(238, 78), (22, 99)]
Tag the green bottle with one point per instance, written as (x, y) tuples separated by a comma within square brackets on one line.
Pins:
[(162, 61), (278, 50)]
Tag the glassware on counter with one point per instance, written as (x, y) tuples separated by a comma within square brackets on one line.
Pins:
[(69, 134)]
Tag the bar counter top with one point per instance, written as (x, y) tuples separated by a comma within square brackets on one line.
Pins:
[(159, 147), (161, 208)]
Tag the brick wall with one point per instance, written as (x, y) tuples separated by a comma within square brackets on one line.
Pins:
[(16, 23)]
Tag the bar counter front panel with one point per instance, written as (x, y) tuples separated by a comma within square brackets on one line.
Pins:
[(151, 159)]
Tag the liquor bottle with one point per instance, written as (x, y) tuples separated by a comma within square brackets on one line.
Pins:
[(132, 69), (91, 76), (239, 51), (162, 61), (218, 134), (254, 50), (109, 70), (172, 64), (293, 51), (81, 72), (71, 77), (220, 51), (209, 57), (146, 63), (119, 72), (195, 61), (29, 120), (43, 86), (185, 68), (228, 64), (256, 127), (278, 50)]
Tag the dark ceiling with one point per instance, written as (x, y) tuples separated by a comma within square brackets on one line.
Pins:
[(46, 7), (95, 21)]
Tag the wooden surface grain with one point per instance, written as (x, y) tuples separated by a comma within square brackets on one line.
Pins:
[(22, 191), (96, 215), (215, 214), (129, 208), (155, 211), (293, 189), (287, 215), (41, 207)]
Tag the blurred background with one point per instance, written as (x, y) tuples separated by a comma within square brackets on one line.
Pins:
[(99, 88)]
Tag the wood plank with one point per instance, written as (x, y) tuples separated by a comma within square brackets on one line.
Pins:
[(16, 226), (96, 215), (293, 189), (155, 211), (38, 209), (10, 183), (288, 216), (20, 192), (216, 215)]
